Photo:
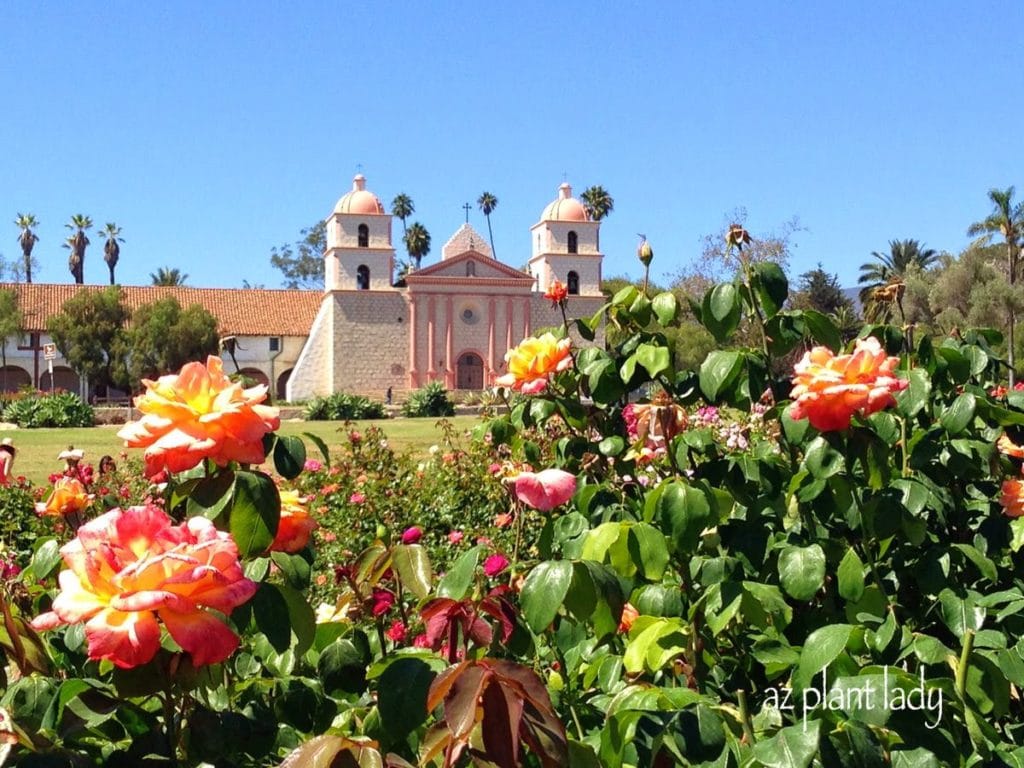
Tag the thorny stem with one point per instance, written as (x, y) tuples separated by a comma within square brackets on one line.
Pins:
[(517, 510), (964, 665), (748, 731), (755, 304)]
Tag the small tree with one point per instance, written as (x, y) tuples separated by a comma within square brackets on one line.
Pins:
[(818, 289), (164, 337), (302, 262), (91, 333), (168, 277), (12, 323)]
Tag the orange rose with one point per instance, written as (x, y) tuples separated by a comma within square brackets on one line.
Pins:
[(829, 389), (199, 414), (1010, 448), (629, 615), (557, 293), (533, 362), (68, 498), (1012, 498), (130, 567), (296, 525)]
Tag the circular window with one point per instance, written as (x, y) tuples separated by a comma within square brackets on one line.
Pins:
[(470, 315)]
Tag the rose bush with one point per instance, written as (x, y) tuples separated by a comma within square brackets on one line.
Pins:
[(751, 565)]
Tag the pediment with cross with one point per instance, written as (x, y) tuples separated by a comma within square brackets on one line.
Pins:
[(471, 265)]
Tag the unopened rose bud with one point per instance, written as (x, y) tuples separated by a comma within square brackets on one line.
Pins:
[(644, 252)]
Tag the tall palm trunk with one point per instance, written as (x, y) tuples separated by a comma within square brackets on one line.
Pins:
[(1011, 319), (490, 235)]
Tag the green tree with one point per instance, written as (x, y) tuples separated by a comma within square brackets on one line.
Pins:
[(302, 262), (77, 243), (12, 323), (402, 207), (27, 240), (597, 202), (163, 337), (417, 243), (111, 249), (1006, 220), (820, 290), (883, 280), (168, 276), (91, 333), (488, 203)]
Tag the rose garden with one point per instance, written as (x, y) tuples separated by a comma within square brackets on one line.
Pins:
[(807, 551)]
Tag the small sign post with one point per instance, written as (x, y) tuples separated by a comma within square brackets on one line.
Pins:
[(50, 354)]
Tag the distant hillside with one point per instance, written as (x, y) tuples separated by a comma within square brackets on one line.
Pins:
[(853, 294)]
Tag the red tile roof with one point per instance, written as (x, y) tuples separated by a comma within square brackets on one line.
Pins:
[(239, 311)]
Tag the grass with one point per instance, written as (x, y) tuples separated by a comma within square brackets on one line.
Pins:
[(38, 448)]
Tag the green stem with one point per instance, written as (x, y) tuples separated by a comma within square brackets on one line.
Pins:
[(748, 730), (755, 306), (962, 667), (903, 447)]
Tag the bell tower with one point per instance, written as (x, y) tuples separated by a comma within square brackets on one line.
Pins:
[(359, 254), (564, 247)]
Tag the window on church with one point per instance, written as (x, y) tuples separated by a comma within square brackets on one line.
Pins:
[(363, 278), (275, 343), (573, 284), (364, 236), (470, 269), (573, 243)]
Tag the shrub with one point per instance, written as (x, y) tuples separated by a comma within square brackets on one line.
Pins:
[(20, 526), (340, 406), (431, 400), (62, 409)]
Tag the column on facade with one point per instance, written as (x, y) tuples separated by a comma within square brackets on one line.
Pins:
[(449, 362), (508, 324), (431, 330), (413, 341), (526, 318), (490, 340)]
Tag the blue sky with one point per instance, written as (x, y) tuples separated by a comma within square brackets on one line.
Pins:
[(212, 132)]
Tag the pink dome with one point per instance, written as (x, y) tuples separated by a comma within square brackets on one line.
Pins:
[(565, 208), (359, 200)]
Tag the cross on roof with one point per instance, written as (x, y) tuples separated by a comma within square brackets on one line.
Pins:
[(466, 207)]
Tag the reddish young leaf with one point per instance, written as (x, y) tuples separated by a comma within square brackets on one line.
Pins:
[(503, 712)]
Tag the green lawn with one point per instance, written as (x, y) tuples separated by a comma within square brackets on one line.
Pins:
[(38, 448)]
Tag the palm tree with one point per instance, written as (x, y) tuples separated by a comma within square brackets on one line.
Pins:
[(77, 244), (889, 270), (598, 202), (168, 276), (27, 240), (1007, 220), (488, 203), (402, 207), (111, 249), (417, 242)]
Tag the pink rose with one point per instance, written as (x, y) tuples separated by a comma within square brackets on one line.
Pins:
[(495, 564), (546, 489), (412, 535), (455, 537)]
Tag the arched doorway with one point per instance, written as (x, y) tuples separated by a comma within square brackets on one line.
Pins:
[(63, 379), (282, 384), (255, 376), (470, 372), (13, 378)]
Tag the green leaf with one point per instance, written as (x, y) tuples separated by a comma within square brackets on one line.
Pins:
[(648, 550), (911, 400), (718, 371), (914, 758), (301, 619), (342, 667), (457, 580), (44, 559), (654, 359), (666, 308), (821, 460), (211, 495), (544, 592), (611, 446), (289, 456), (270, 612), (851, 576), (821, 648), (956, 418), (960, 613), (684, 512), (771, 286), (792, 747), (720, 312), (402, 695), (802, 571), (412, 564), (294, 567), (321, 446), (255, 512), (823, 329)]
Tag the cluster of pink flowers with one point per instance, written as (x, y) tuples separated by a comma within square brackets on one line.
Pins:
[(1002, 391)]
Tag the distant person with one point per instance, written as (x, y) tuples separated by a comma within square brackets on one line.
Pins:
[(7, 452), (107, 465), (71, 457), (387, 396)]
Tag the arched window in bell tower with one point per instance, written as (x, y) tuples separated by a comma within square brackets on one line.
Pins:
[(364, 236), (573, 283), (363, 278), (573, 243)]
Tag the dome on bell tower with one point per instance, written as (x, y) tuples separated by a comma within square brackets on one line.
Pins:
[(565, 207), (360, 200)]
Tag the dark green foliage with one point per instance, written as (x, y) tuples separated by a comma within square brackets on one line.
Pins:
[(20, 526), (164, 337), (820, 290), (340, 406), (431, 400), (92, 334), (63, 409), (302, 263)]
